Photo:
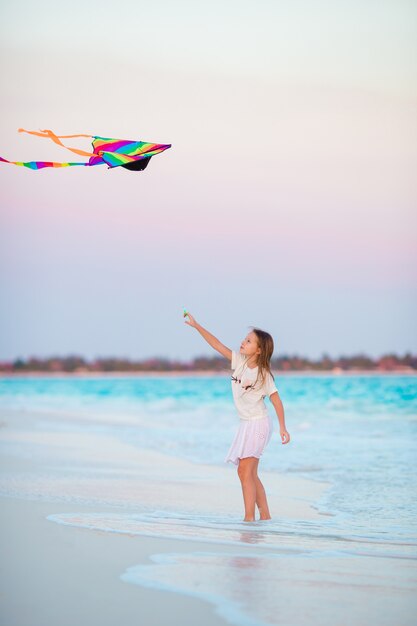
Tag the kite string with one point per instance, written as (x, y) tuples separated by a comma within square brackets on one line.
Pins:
[(48, 134)]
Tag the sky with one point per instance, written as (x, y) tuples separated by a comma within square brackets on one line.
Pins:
[(287, 200)]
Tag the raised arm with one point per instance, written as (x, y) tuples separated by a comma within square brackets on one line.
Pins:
[(211, 339)]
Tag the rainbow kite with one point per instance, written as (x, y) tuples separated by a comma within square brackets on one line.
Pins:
[(132, 155)]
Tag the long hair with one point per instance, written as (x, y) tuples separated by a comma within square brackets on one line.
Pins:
[(266, 345)]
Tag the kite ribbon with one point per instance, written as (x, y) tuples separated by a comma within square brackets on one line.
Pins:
[(38, 165), (48, 134)]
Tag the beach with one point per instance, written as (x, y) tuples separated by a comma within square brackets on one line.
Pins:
[(55, 575), (100, 527)]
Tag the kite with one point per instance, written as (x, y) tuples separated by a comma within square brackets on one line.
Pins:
[(132, 155)]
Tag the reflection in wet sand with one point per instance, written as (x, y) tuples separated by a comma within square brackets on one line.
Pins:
[(259, 589)]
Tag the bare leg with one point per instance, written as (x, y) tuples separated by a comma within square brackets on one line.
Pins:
[(261, 501), (247, 473)]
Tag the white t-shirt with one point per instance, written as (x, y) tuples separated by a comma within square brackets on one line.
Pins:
[(249, 399)]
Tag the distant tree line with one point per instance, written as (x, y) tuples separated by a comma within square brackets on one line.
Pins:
[(284, 363)]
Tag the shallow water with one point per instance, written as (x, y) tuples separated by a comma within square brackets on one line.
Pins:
[(257, 589), (357, 432), (278, 573), (316, 538)]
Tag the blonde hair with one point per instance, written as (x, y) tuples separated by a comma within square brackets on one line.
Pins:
[(266, 345)]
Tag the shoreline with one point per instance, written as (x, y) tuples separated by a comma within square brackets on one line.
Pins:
[(53, 574), (58, 574), (204, 374)]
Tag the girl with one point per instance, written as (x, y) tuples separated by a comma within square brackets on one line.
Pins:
[(251, 382)]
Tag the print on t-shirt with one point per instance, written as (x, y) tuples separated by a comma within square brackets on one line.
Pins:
[(248, 392)]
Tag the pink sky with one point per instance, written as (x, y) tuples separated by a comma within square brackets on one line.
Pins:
[(287, 199)]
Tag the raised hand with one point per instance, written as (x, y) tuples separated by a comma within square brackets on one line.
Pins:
[(191, 321)]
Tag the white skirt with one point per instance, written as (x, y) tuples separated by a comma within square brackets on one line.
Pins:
[(251, 439)]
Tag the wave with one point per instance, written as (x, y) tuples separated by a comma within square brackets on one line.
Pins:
[(296, 536)]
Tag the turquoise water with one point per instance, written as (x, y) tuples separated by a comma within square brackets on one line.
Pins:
[(357, 432)]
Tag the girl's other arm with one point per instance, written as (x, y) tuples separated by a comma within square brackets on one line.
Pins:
[(279, 408), (211, 339)]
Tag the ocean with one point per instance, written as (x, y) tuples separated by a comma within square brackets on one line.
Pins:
[(355, 432)]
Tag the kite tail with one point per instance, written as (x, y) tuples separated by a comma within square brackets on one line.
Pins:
[(38, 165), (48, 134)]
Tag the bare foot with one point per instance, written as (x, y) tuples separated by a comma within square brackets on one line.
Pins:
[(264, 513)]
